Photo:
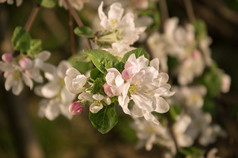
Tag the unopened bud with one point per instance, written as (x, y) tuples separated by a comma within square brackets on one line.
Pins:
[(7, 57), (75, 108), (25, 63)]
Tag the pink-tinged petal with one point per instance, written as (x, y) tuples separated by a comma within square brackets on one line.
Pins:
[(45, 55), (27, 80), (62, 68), (110, 77), (196, 54), (26, 63), (50, 90), (108, 90), (17, 87), (126, 75), (119, 80), (7, 57), (75, 108)]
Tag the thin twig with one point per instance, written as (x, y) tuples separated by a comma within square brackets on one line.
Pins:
[(189, 10), (77, 19), (164, 14), (72, 42), (32, 17)]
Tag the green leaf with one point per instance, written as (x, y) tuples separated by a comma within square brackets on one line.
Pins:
[(81, 62), (102, 59), (21, 40), (105, 119), (47, 3), (95, 73), (83, 31), (191, 152), (138, 52), (35, 47), (98, 86), (200, 29)]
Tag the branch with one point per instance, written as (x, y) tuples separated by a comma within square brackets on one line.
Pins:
[(164, 14), (72, 42), (77, 19), (189, 10)]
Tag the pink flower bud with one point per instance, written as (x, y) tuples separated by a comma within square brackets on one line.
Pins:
[(26, 63), (7, 57), (196, 54), (108, 90), (75, 108)]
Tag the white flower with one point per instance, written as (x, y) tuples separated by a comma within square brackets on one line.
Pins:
[(122, 28), (75, 81), (149, 134), (18, 2), (191, 97), (77, 4), (114, 83), (146, 87), (58, 97), (15, 75)]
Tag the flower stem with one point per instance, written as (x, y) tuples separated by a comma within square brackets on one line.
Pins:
[(189, 10), (77, 19), (32, 17), (72, 42)]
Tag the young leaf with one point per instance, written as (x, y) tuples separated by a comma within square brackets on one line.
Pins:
[(35, 47), (105, 119), (47, 3), (102, 59), (138, 52), (21, 39), (83, 31), (81, 62)]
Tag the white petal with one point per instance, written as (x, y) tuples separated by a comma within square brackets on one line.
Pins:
[(9, 82), (94, 108), (62, 68), (115, 12), (52, 110), (98, 97), (64, 108), (103, 17), (155, 63), (161, 105), (66, 96), (72, 72), (17, 87), (50, 90), (44, 55), (27, 80)]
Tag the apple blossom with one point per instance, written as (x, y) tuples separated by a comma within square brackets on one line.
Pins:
[(75, 108), (77, 4), (18, 2)]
